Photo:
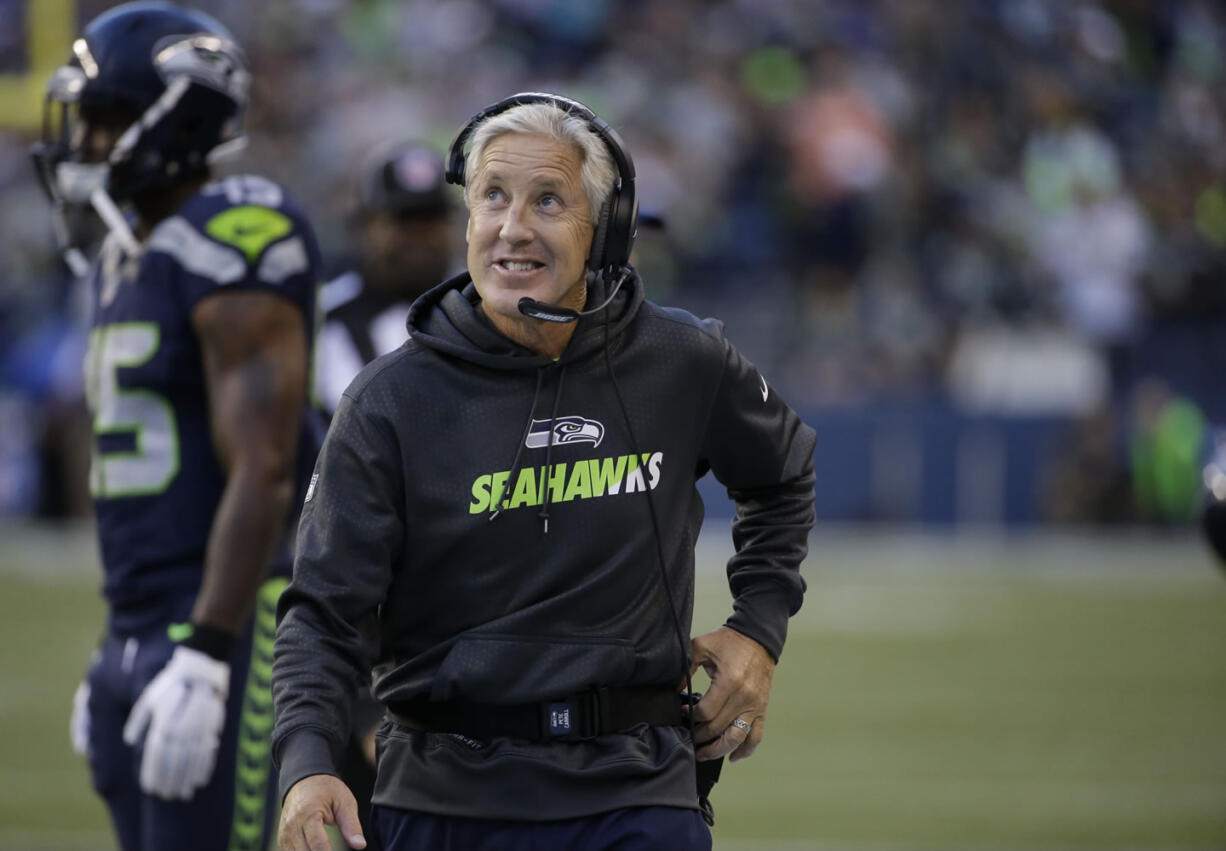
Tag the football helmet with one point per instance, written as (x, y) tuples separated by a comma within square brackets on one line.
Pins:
[(170, 83)]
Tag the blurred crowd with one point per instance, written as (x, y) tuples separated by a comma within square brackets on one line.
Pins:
[(1015, 207)]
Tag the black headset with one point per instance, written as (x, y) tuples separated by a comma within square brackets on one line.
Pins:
[(618, 223)]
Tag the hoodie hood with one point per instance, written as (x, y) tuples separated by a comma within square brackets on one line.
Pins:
[(449, 319)]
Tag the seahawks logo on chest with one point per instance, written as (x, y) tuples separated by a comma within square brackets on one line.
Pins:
[(571, 429)]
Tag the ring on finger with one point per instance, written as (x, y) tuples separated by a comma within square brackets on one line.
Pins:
[(742, 725)]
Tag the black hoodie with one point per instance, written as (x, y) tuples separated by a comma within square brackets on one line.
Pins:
[(407, 559)]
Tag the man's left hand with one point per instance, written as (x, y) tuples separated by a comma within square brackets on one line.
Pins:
[(731, 717)]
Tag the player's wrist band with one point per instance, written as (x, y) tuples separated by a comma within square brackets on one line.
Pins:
[(210, 641)]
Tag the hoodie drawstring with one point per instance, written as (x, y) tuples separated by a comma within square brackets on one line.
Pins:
[(513, 476), (683, 645), (553, 418), (523, 440)]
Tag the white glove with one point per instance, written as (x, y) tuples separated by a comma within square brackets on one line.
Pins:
[(78, 723), (184, 708)]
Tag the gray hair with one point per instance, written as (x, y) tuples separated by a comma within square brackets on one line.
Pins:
[(597, 172)]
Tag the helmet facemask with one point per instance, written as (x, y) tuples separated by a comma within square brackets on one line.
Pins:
[(58, 162)]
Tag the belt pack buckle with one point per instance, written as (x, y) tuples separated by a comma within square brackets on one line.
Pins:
[(578, 718)]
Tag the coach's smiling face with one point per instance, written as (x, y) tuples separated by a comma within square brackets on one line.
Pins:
[(529, 226)]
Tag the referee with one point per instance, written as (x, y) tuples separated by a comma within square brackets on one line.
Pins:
[(400, 234)]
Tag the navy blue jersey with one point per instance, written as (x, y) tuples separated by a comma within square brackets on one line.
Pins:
[(155, 477)]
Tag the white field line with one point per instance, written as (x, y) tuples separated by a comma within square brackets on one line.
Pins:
[(67, 552)]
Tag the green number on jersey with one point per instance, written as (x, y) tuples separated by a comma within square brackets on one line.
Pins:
[(153, 464)]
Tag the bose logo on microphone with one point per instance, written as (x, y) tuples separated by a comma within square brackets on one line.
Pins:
[(534, 309), (546, 312)]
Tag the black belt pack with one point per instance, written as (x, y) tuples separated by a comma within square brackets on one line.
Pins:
[(591, 713)]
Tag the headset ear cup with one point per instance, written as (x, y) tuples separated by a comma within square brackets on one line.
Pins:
[(619, 225), (596, 257), (623, 227)]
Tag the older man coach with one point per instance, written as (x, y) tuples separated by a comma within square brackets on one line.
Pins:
[(504, 516)]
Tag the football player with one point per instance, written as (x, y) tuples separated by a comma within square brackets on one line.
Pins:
[(203, 298)]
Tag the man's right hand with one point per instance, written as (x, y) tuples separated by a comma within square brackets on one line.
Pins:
[(313, 802)]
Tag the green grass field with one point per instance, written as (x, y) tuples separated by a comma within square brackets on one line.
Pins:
[(1028, 693)]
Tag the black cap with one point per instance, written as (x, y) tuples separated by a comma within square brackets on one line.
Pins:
[(405, 180)]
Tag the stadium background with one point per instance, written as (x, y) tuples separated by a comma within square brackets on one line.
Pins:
[(980, 244)]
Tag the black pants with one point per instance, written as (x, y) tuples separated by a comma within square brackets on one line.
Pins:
[(630, 829)]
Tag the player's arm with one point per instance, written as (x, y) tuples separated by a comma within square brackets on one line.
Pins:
[(255, 364), (254, 351)]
